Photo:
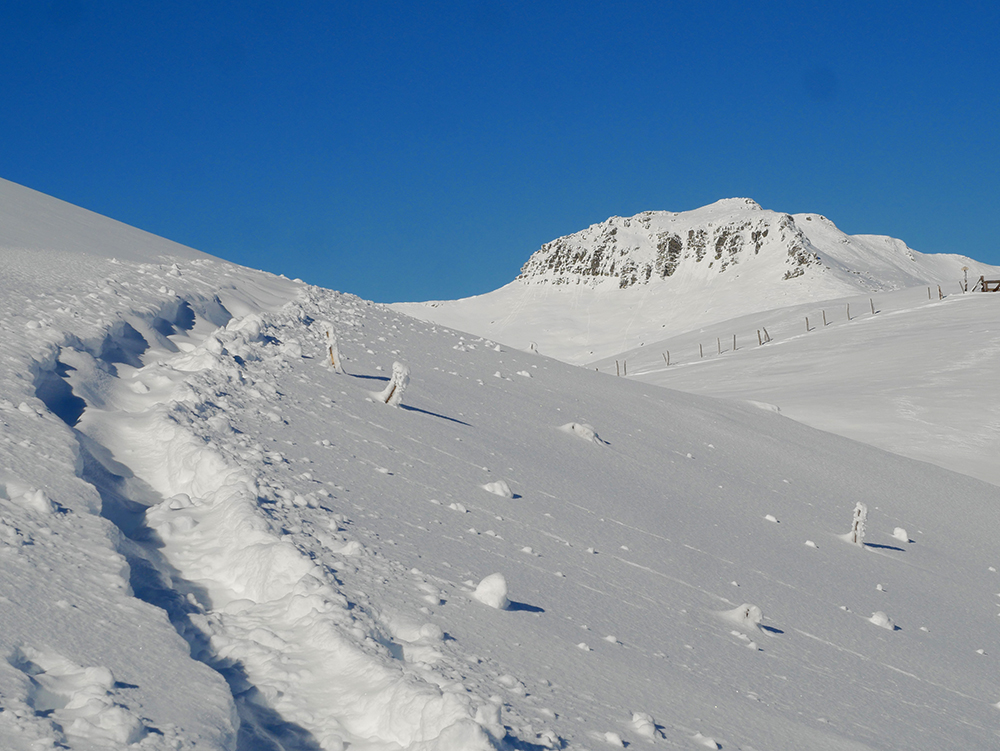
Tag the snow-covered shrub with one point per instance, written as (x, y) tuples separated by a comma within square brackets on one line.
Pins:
[(644, 725), (492, 591), (392, 394), (857, 534), (747, 615), (581, 430)]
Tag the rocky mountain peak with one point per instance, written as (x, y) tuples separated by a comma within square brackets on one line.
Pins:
[(655, 245)]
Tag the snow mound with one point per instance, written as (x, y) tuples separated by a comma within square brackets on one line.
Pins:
[(705, 740), (881, 620), (583, 431), (746, 615), (643, 724), (500, 488), (80, 698), (492, 591)]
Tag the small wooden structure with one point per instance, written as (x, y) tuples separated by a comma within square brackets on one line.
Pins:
[(987, 285)]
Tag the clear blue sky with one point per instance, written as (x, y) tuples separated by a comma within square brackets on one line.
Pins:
[(417, 150)]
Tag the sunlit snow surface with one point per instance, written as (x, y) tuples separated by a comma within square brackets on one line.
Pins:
[(283, 562), (918, 377)]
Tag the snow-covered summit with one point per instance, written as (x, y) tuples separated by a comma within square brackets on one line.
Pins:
[(724, 238), (626, 280), (656, 245)]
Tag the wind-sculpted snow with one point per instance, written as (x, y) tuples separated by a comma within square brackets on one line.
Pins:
[(210, 538)]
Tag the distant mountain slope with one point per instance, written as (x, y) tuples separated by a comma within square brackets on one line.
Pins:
[(624, 281), (907, 379)]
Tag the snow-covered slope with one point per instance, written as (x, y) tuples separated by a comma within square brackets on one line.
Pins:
[(629, 280), (917, 377), (210, 538)]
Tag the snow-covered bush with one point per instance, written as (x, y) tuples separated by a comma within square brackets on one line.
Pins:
[(644, 725), (392, 394), (746, 615), (581, 430), (492, 591), (857, 534)]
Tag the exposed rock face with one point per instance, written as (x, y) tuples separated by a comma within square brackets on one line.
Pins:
[(659, 244)]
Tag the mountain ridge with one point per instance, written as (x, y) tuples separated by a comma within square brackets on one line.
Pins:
[(628, 280)]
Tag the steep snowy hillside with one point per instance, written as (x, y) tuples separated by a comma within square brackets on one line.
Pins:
[(629, 280), (917, 378), (212, 539)]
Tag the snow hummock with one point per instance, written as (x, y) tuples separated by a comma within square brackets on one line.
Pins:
[(882, 620), (498, 487), (492, 591), (746, 615), (581, 430)]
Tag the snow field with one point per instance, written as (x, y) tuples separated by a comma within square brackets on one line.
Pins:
[(909, 379), (280, 522)]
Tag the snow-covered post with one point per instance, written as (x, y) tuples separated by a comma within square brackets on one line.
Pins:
[(392, 394), (332, 350), (857, 534)]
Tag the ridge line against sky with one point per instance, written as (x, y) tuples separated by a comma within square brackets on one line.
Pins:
[(407, 152)]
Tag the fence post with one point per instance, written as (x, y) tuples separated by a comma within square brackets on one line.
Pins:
[(734, 342), (617, 371), (872, 302)]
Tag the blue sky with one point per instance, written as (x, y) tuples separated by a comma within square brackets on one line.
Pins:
[(407, 151)]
